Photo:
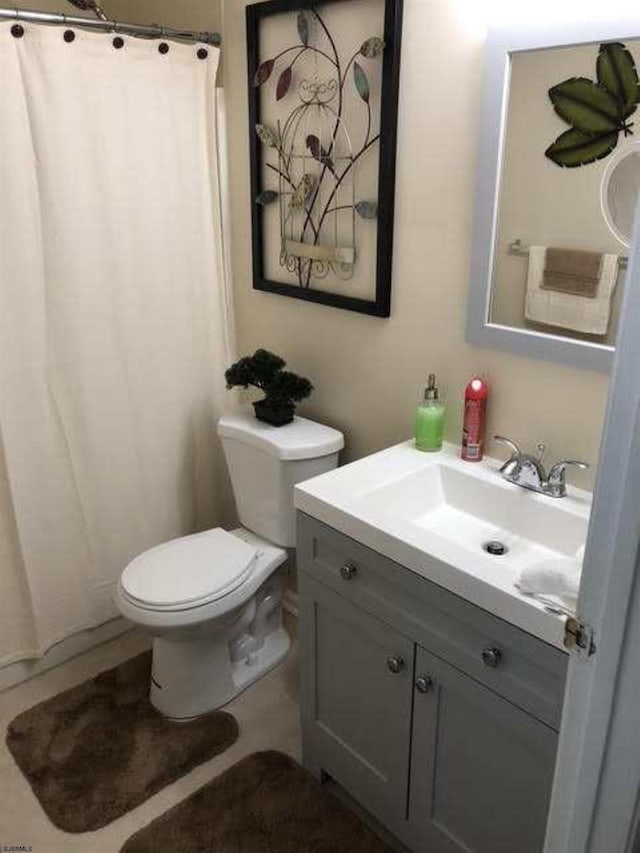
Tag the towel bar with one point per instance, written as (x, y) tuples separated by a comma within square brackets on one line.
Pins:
[(517, 247)]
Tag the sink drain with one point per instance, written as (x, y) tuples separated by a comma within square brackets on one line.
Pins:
[(495, 548)]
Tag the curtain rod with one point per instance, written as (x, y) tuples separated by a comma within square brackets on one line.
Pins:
[(143, 30)]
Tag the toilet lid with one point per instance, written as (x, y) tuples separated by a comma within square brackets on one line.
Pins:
[(189, 571)]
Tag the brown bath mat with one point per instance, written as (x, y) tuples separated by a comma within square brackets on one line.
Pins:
[(98, 750), (264, 804)]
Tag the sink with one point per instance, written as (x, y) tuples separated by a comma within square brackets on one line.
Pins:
[(457, 523), (473, 512)]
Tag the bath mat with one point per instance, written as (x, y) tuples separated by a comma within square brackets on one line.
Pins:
[(264, 804), (98, 750)]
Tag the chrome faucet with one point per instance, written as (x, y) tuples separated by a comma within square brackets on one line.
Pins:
[(528, 471)]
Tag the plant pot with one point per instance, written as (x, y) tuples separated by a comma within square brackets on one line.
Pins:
[(277, 415)]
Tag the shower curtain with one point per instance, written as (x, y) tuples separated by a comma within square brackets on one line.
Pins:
[(115, 318)]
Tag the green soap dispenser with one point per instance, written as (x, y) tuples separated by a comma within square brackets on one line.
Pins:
[(430, 418)]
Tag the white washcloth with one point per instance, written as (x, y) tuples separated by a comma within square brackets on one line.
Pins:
[(555, 579), (590, 316)]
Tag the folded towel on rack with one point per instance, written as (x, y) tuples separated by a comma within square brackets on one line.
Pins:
[(569, 311), (572, 271), (557, 580)]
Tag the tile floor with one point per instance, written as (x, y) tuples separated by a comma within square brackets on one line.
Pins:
[(267, 713)]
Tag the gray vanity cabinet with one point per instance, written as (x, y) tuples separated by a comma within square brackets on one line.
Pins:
[(358, 687), (481, 768), (438, 718)]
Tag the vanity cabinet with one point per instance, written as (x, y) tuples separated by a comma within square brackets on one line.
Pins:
[(438, 718)]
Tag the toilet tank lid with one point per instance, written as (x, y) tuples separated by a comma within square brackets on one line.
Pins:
[(301, 439)]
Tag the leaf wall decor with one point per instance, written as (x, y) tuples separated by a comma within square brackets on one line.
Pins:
[(372, 47), (264, 72), (266, 197), (597, 111), (361, 81), (267, 136), (617, 72), (367, 209), (586, 105), (303, 28), (284, 83), (575, 148)]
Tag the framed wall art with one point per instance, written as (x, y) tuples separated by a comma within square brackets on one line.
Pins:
[(323, 83)]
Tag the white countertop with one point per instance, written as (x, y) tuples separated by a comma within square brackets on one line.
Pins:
[(387, 502)]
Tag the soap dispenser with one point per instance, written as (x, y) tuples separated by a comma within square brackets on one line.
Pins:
[(430, 418)]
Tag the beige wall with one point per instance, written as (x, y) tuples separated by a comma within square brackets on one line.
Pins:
[(369, 372), (194, 14)]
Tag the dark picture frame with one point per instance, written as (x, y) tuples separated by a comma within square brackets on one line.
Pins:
[(380, 306)]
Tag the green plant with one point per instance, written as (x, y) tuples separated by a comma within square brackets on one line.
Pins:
[(282, 389)]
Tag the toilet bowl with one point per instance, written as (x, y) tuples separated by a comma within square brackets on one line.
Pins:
[(211, 600)]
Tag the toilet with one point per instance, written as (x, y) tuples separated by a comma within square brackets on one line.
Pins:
[(211, 600)]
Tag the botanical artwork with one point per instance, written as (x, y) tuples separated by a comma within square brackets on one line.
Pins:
[(598, 111), (318, 120)]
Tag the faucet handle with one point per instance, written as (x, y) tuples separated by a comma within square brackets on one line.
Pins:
[(513, 447), (513, 463), (556, 485)]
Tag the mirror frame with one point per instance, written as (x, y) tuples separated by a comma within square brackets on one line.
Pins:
[(502, 44)]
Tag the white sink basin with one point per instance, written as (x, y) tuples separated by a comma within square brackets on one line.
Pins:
[(434, 513), (470, 511)]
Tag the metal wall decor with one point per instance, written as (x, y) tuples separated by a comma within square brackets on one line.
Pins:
[(323, 94)]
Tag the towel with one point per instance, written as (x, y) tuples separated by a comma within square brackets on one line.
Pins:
[(568, 311), (572, 271), (555, 579)]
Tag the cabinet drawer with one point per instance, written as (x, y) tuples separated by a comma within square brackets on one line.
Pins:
[(517, 665)]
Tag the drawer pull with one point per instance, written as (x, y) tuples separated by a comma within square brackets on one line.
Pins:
[(395, 664), (424, 683), (348, 571), (491, 656)]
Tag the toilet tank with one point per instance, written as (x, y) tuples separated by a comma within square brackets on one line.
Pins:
[(266, 462)]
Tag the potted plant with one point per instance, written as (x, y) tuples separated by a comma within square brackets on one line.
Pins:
[(281, 388)]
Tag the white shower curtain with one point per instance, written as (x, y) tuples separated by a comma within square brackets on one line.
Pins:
[(115, 319)]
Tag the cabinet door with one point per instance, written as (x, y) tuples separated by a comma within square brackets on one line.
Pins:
[(357, 686), (481, 768)]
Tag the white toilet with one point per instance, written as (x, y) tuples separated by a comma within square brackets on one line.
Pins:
[(211, 600)]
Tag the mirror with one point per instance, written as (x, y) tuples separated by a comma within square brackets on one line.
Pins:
[(620, 191), (559, 179)]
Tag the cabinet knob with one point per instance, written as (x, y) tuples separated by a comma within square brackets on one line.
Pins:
[(424, 683), (348, 571), (395, 664), (491, 656)]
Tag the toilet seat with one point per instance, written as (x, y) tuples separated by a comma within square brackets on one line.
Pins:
[(189, 572)]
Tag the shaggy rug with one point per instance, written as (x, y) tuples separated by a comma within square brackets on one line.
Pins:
[(264, 804), (98, 750)]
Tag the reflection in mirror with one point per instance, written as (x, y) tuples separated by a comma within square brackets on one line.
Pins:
[(558, 261), (620, 192)]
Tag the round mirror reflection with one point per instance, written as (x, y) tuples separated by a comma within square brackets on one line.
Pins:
[(620, 192)]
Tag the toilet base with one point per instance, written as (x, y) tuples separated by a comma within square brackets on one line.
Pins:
[(199, 670)]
